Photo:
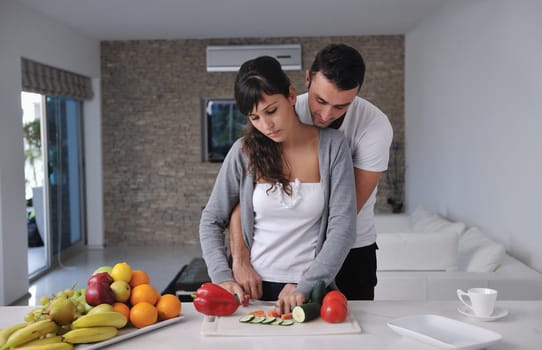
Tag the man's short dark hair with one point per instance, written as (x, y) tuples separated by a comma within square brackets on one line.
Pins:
[(341, 64)]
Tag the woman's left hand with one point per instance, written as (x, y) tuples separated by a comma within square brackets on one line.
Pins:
[(288, 299)]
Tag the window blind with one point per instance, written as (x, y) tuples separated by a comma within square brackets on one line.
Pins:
[(51, 81)]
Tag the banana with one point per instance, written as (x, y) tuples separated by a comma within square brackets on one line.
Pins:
[(89, 334), (32, 331), (6, 332), (54, 346), (103, 319), (100, 308), (47, 340)]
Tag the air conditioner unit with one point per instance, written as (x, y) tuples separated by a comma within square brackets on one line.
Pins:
[(230, 58)]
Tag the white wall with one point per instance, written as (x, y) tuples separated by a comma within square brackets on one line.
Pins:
[(473, 110), (25, 33)]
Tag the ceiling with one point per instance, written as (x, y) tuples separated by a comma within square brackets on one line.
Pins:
[(204, 19)]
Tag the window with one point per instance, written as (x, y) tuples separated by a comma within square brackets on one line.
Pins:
[(222, 124)]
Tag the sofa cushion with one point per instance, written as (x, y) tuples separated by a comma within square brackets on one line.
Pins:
[(424, 221), (478, 252), (417, 251)]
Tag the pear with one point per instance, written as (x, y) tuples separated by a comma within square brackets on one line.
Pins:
[(61, 310)]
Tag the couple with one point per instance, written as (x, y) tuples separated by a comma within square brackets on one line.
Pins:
[(296, 219)]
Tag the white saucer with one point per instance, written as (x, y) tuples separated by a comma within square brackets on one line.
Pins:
[(498, 313)]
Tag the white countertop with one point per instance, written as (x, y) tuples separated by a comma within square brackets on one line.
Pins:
[(520, 329)]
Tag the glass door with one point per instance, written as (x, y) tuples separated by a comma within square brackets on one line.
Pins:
[(65, 173), (54, 179), (36, 211)]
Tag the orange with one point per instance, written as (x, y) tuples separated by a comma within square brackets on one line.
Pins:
[(168, 306), (122, 308), (143, 314), (139, 277), (144, 293)]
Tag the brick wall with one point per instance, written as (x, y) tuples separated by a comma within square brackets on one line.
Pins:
[(155, 183)]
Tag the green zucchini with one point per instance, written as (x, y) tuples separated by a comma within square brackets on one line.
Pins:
[(318, 292), (306, 312), (287, 322)]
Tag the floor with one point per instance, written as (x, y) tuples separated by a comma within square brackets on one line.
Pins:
[(36, 258), (162, 263)]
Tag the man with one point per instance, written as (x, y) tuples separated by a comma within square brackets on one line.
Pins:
[(333, 82)]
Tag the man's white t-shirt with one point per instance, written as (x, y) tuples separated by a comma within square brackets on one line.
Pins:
[(369, 134)]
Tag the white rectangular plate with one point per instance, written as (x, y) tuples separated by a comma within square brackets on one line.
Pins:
[(444, 332), (230, 326), (127, 333)]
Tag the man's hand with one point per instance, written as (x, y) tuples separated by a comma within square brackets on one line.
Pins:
[(288, 299), (247, 277)]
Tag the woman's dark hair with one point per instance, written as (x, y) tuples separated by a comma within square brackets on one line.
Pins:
[(256, 77), (340, 64)]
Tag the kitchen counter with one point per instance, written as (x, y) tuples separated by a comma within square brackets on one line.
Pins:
[(520, 329)]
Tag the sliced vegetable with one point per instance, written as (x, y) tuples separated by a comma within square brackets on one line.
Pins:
[(258, 313), (306, 312), (272, 313), (287, 322), (246, 318), (287, 316), (257, 319), (277, 322), (269, 320)]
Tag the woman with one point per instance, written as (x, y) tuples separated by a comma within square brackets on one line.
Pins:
[(295, 186)]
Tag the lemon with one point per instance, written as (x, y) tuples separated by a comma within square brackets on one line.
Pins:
[(121, 272)]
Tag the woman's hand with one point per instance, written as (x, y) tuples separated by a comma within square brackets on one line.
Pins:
[(234, 288), (248, 278), (288, 299)]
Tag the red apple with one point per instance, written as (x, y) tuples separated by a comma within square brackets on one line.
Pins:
[(101, 277), (99, 293)]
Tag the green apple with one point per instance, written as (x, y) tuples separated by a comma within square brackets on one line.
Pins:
[(105, 268), (121, 289)]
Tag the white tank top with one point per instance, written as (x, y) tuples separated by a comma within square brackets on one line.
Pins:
[(285, 230)]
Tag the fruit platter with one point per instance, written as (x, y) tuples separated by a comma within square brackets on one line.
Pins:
[(118, 303)]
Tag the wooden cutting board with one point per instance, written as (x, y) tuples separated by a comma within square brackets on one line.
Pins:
[(229, 326)]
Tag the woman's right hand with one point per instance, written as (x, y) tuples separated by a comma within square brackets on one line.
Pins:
[(248, 278), (234, 288)]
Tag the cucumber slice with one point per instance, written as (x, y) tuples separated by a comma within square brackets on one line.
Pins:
[(277, 322), (269, 320), (246, 318), (257, 319), (287, 322), (306, 312)]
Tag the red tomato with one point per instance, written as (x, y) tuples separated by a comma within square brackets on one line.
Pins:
[(335, 295), (333, 311)]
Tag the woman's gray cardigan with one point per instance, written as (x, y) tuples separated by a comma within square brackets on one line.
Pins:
[(234, 184)]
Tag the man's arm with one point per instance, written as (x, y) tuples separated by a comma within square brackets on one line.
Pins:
[(243, 272), (366, 182)]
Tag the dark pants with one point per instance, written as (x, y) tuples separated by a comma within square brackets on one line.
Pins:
[(357, 277), (271, 290)]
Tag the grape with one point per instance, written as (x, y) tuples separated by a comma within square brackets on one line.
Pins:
[(44, 300)]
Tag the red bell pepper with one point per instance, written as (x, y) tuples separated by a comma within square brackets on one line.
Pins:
[(213, 300)]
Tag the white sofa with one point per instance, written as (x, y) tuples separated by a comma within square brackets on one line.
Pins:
[(424, 256)]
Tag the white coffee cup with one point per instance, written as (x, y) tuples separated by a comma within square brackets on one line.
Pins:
[(482, 300)]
